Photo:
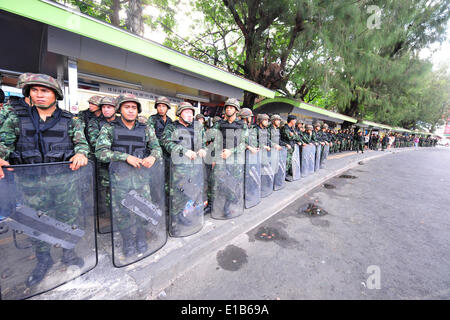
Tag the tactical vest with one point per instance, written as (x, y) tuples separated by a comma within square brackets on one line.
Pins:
[(184, 135), (129, 141), (234, 129), (160, 125), (263, 137), (57, 142), (274, 135)]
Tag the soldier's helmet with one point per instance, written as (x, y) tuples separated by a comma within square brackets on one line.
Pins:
[(108, 100), (262, 116), (309, 127), (163, 100), (325, 126), (128, 97), (234, 103), (275, 117), (22, 79), (317, 124), (95, 100), (44, 80), (199, 115), (184, 106), (245, 113)]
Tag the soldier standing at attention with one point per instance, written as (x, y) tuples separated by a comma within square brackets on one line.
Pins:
[(290, 137)]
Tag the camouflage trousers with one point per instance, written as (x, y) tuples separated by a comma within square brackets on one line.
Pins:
[(57, 197), (225, 181), (290, 152)]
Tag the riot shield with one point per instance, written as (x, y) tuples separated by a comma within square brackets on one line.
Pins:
[(186, 197), (324, 156), (268, 162), (296, 174), (137, 211), (280, 174), (228, 190), (317, 159), (47, 227), (312, 159), (103, 198), (252, 179)]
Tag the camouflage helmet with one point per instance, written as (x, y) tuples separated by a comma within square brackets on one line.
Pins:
[(95, 100), (317, 124), (22, 78), (216, 119), (128, 97), (199, 116), (309, 127), (275, 117), (234, 103), (109, 101), (262, 117), (44, 80), (245, 113), (325, 126), (183, 106), (163, 100)]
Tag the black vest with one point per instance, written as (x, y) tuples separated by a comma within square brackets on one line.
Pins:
[(129, 141), (231, 132), (184, 135), (160, 125), (56, 140)]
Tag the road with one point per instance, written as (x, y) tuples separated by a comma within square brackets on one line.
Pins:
[(382, 232)]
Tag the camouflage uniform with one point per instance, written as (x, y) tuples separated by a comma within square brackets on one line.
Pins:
[(53, 193), (289, 136), (186, 174)]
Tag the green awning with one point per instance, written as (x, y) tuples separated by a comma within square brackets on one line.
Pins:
[(287, 105), (64, 18)]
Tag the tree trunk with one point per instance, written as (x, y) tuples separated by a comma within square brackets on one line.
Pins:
[(114, 17), (135, 23)]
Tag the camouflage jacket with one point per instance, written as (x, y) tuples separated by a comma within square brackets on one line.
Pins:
[(10, 131), (93, 130), (285, 135), (243, 139), (170, 137), (105, 139)]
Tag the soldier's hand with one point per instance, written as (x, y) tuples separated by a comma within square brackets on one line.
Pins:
[(191, 155), (267, 148), (134, 161), (201, 153), (291, 134), (278, 147), (79, 160), (253, 150), (226, 153), (149, 161), (4, 163), (288, 147)]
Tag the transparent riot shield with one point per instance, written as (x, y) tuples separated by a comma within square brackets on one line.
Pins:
[(296, 173), (304, 160), (311, 159), (228, 190), (47, 227), (103, 198), (280, 174), (139, 225), (317, 159), (252, 179), (324, 156), (186, 197), (268, 164)]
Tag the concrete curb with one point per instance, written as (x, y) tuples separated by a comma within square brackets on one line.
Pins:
[(147, 278)]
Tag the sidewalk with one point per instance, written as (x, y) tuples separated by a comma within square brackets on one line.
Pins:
[(148, 277)]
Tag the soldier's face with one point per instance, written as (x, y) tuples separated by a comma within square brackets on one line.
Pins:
[(93, 108), (108, 111), (129, 110), (187, 115), (161, 109), (277, 123), (265, 123), (201, 120), (230, 111), (42, 96)]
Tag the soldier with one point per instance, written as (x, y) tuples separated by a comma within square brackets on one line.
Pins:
[(93, 111), (126, 139), (160, 120), (21, 102), (44, 133), (183, 138), (384, 142), (274, 130), (232, 134), (359, 142), (108, 108), (290, 137), (200, 118), (251, 140)]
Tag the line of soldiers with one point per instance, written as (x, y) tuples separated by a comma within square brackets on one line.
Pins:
[(35, 130)]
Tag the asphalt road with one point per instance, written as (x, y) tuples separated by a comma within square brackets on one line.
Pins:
[(382, 232)]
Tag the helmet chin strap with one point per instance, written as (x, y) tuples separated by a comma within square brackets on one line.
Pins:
[(42, 106)]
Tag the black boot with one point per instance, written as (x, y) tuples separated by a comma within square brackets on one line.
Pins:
[(129, 248), (70, 258), (44, 263), (141, 240)]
